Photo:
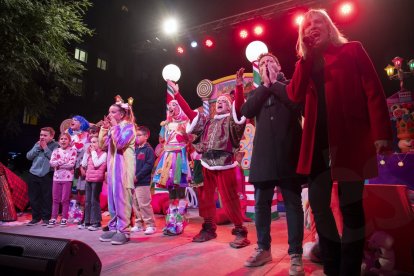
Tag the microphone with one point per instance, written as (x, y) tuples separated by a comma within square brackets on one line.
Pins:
[(309, 41)]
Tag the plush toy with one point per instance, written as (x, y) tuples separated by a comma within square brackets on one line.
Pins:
[(379, 258)]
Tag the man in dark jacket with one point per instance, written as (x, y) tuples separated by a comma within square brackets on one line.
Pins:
[(274, 160)]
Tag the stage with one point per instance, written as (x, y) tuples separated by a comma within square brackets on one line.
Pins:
[(158, 254)]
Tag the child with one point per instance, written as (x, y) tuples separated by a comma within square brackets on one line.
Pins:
[(145, 159), (40, 179), (118, 136), (63, 161), (94, 162)]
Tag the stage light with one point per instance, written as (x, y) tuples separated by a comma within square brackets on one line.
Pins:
[(180, 50), (254, 49), (194, 44), (299, 19), (170, 26), (209, 43), (258, 30), (171, 72), (243, 34), (346, 8)]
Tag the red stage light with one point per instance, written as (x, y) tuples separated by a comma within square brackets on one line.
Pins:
[(243, 34), (180, 50), (346, 9), (299, 19), (258, 30), (209, 43)]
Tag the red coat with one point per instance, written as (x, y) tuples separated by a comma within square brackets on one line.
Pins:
[(356, 108)]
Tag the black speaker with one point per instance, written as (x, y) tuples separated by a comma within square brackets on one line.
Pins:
[(32, 255)]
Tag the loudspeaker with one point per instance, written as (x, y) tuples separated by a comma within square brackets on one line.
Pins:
[(32, 255)]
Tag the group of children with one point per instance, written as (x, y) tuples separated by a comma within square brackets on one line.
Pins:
[(117, 152)]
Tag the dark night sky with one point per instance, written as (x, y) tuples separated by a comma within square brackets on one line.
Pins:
[(385, 27)]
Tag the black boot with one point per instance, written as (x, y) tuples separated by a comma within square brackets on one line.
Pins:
[(241, 237), (208, 232)]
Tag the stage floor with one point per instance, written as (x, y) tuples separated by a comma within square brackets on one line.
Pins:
[(157, 254)]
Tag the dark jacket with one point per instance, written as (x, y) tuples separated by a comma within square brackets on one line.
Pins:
[(276, 144), (145, 157)]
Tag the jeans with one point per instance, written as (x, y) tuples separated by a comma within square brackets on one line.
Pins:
[(340, 256), (92, 205), (40, 196), (291, 192)]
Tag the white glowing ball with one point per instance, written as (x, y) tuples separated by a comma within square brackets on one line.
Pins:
[(171, 72), (170, 26), (255, 49)]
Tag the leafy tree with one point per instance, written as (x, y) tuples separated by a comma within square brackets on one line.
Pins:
[(36, 67)]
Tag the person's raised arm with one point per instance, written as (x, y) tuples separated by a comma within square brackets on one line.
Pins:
[(191, 114)]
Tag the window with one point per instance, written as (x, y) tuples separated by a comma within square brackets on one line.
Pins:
[(29, 119), (101, 64), (81, 55)]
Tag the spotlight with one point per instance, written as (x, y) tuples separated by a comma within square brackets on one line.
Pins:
[(180, 50), (299, 19), (170, 26), (346, 9), (258, 30), (194, 44), (243, 34), (209, 43)]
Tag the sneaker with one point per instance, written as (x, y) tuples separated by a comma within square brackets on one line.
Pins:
[(150, 230), (52, 223), (63, 222), (258, 258), (83, 226), (45, 222), (241, 237), (94, 227), (107, 236), (33, 222), (208, 232), (119, 238), (296, 265), (137, 228)]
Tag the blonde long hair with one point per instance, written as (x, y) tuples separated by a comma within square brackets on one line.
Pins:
[(335, 36)]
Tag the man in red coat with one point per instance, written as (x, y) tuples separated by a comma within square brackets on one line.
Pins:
[(346, 125)]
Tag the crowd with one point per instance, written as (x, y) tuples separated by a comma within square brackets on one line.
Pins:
[(334, 88)]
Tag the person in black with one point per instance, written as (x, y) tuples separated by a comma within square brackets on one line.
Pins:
[(275, 155)]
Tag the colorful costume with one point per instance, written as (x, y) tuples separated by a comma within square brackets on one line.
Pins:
[(220, 137), (120, 143), (173, 170)]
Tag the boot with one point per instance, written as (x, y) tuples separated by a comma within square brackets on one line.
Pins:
[(241, 237), (207, 232)]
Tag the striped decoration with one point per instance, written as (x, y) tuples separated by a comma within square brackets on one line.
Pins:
[(256, 75), (169, 96), (250, 212), (206, 108)]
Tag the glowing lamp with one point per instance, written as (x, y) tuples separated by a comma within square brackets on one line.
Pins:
[(346, 8), (180, 50), (171, 72), (209, 43), (299, 19), (258, 30), (254, 49), (390, 70), (411, 65), (397, 62), (194, 44), (243, 34)]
